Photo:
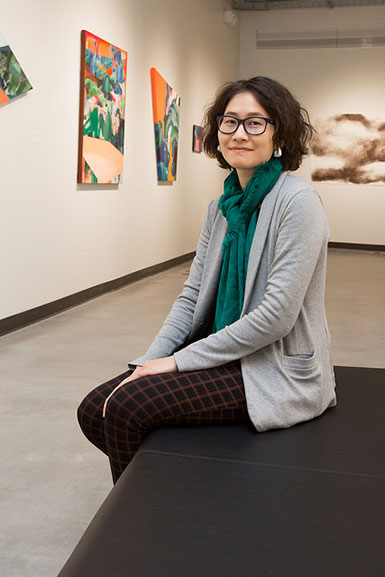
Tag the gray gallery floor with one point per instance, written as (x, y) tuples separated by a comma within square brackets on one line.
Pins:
[(52, 479)]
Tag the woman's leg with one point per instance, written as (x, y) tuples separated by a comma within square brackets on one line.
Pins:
[(203, 397), (90, 411)]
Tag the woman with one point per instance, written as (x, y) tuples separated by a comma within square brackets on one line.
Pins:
[(247, 339)]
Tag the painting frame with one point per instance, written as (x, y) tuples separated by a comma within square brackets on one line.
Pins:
[(197, 139), (166, 119), (103, 86), (333, 160), (13, 80)]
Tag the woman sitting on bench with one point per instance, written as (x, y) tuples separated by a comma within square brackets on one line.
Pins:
[(247, 339)]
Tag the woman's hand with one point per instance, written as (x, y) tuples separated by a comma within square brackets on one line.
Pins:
[(153, 367)]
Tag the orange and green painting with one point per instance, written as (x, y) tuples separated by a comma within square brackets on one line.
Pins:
[(13, 81), (102, 110), (197, 138), (166, 111)]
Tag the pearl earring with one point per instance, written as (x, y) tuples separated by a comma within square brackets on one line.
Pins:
[(219, 147), (277, 153)]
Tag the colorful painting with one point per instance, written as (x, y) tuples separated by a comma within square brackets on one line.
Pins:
[(349, 148), (102, 104), (166, 110), (197, 138), (13, 81)]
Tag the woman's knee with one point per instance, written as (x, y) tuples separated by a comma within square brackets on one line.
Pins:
[(89, 411)]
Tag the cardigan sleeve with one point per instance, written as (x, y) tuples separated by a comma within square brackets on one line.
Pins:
[(301, 235), (177, 326)]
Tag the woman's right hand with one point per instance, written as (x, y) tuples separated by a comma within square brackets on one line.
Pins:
[(152, 367)]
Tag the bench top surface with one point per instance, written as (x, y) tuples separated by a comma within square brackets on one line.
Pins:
[(348, 438), (176, 516)]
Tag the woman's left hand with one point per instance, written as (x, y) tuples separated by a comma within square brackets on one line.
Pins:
[(152, 367)]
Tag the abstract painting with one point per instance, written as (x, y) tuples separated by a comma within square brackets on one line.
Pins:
[(349, 148), (13, 81), (197, 138), (166, 111), (102, 110)]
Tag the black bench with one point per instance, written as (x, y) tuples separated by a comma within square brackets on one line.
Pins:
[(229, 502)]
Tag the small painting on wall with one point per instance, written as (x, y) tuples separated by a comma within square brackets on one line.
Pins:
[(102, 110), (13, 81), (166, 112), (348, 148), (197, 138)]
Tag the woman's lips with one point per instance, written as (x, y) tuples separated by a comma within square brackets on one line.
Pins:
[(240, 149)]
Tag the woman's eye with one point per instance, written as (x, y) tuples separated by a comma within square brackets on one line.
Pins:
[(229, 121), (254, 122)]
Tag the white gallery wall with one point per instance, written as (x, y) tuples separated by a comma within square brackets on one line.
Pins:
[(57, 237), (328, 81)]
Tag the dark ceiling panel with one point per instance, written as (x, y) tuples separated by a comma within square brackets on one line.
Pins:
[(298, 4)]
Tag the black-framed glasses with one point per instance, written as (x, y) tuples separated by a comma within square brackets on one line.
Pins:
[(252, 125)]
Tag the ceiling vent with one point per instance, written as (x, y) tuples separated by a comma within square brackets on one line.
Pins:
[(331, 38)]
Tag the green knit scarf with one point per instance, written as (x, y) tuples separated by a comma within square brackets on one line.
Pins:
[(240, 208)]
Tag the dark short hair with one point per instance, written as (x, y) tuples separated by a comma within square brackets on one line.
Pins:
[(293, 130)]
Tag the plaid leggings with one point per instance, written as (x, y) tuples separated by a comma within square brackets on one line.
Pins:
[(204, 397)]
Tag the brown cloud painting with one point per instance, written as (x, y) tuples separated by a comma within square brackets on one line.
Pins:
[(349, 148)]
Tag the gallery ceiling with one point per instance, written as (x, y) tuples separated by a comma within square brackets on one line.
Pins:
[(333, 38), (295, 4)]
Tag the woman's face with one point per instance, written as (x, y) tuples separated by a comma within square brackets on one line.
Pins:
[(241, 150)]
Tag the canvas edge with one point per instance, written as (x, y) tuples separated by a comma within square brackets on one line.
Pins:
[(81, 105)]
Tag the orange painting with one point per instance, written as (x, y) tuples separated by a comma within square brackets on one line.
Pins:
[(166, 111)]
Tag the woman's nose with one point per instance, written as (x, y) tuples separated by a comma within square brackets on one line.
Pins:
[(240, 132)]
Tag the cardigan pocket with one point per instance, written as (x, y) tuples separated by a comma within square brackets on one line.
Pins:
[(301, 362)]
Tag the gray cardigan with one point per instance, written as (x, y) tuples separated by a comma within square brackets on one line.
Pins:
[(282, 337)]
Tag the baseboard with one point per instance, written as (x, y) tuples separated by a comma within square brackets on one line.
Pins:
[(356, 246), (34, 315)]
